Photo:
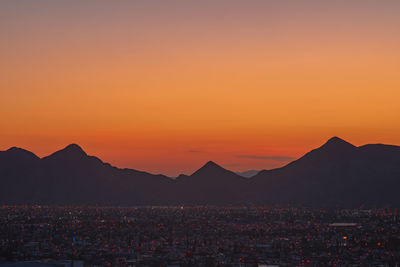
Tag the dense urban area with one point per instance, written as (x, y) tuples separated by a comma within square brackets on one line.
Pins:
[(199, 236)]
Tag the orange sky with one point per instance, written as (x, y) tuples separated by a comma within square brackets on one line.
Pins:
[(165, 86)]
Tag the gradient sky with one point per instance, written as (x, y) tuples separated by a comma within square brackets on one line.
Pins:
[(165, 86)]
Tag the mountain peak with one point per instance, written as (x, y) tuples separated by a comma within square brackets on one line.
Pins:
[(74, 148), (20, 151), (337, 140), (14, 148), (336, 143), (211, 164), (209, 167), (70, 151)]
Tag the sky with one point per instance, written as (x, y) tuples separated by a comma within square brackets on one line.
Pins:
[(165, 86)]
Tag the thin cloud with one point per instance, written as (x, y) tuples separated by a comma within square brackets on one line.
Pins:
[(268, 157)]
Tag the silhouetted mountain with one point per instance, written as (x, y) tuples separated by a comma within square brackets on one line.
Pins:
[(70, 176), (71, 152), (16, 174), (337, 144), (337, 173), (248, 174), (212, 184)]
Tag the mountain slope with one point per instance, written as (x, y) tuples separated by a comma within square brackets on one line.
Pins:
[(16, 168), (336, 173), (70, 176), (212, 184)]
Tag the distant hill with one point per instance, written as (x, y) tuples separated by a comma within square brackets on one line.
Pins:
[(337, 173), (248, 174), (212, 184)]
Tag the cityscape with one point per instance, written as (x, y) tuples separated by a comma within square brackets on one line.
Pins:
[(200, 236)]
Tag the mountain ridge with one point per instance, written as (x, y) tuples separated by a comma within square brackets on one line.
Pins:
[(336, 173)]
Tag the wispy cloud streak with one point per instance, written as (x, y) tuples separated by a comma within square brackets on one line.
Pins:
[(266, 157)]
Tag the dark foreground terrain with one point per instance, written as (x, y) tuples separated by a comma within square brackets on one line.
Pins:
[(200, 236)]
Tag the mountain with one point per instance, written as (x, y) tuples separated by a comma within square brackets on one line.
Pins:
[(337, 173), (70, 176), (248, 174), (16, 168), (212, 184)]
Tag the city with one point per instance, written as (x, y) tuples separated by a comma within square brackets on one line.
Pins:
[(200, 236)]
